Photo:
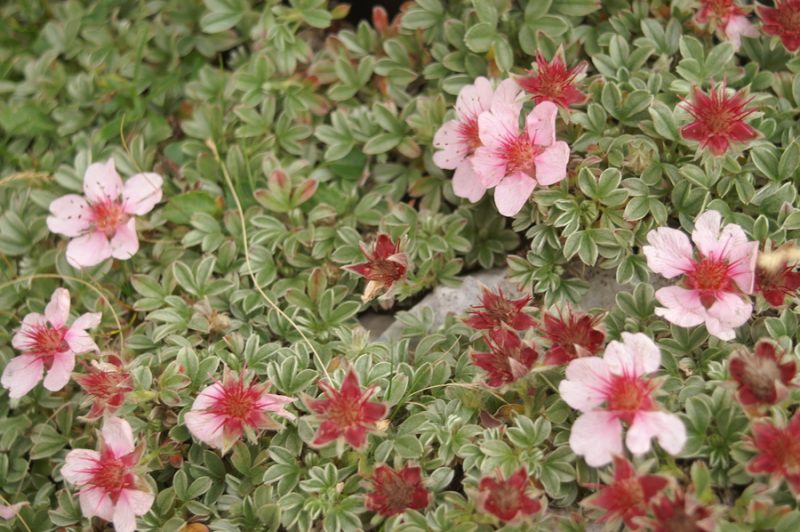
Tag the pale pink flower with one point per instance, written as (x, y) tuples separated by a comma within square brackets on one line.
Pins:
[(728, 16), (715, 281), (614, 391), (516, 161), (110, 488), (48, 343), (103, 224), (457, 139), (737, 27)]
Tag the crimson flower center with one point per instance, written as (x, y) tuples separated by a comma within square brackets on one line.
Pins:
[(629, 493), (468, 129), (760, 375), (710, 274), (238, 403), (344, 412), (521, 154), (107, 216), (628, 395), (398, 493), (506, 499), (48, 341), (112, 475)]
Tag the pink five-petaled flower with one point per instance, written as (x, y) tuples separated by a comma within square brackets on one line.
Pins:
[(713, 283), (613, 390), (682, 512), (385, 265), (507, 499), (553, 82), (497, 311), (48, 343), (778, 451), (458, 139), (394, 492), (783, 21), (107, 384), (571, 336), (718, 120), (761, 376), (224, 411), (515, 162), (776, 284), (110, 488), (103, 224), (628, 496), (346, 414), (729, 17), (508, 360)]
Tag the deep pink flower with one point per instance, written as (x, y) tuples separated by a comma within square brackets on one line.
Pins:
[(783, 21), (614, 390), (48, 344), (628, 496), (386, 264), (110, 488), (713, 282), (761, 376), (497, 311), (718, 120), (516, 161), (10, 511), (508, 360), (103, 224), (571, 336), (729, 17), (682, 512), (778, 451), (553, 81), (224, 411), (507, 499), (107, 384), (346, 414), (776, 284), (458, 139), (394, 492)]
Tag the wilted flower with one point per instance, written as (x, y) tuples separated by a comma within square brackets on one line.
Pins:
[(762, 378), (48, 344), (571, 336), (10, 511), (458, 139), (782, 21), (614, 390), (508, 359), (103, 224), (107, 383), (224, 411), (718, 120), (385, 265), (110, 489), (683, 512), (628, 496), (346, 413), (497, 311), (394, 492), (778, 451), (775, 283), (507, 499), (729, 17), (713, 282), (553, 81)]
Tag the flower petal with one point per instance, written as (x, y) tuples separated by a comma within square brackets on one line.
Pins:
[(102, 182), (551, 164), (205, 426), (635, 355), (506, 92), (10, 511), (513, 192), (57, 310), (141, 193), (667, 428), (32, 321), (743, 258), (452, 147), (584, 387), (466, 183), (58, 375), (499, 124), (669, 253), (130, 504), (597, 436), (474, 99), (727, 313), (90, 320), (681, 306), (713, 239), (21, 375), (125, 242), (88, 250), (96, 502), (541, 124), (118, 436), (69, 216), (79, 466), (489, 165)]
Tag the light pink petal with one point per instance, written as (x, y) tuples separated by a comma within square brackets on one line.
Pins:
[(9, 512), (669, 253), (726, 314), (597, 436), (79, 341), (541, 124), (58, 375), (141, 193), (635, 355), (506, 92), (57, 310), (79, 465), (499, 125), (667, 428), (275, 404), (118, 436), (743, 258), (738, 27), (453, 148), (585, 386), (681, 306), (90, 320), (69, 216), (88, 250), (474, 99), (125, 242), (551, 164), (206, 427), (96, 502), (466, 183), (489, 165), (30, 322), (714, 240), (21, 375), (131, 503), (513, 192), (102, 182)]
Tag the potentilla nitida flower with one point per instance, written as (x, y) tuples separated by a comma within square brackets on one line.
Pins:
[(762, 378), (553, 81), (386, 264), (782, 21), (628, 496), (718, 120), (507, 499), (614, 391), (571, 335), (457, 139), (107, 384), (714, 282), (682, 512), (496, 311), (48, 344), (516, 161), (776, 281), (346, 414), (508, 360), (729, 18), (223, 412), (395, 491), (778, 452), (110, 487), (103, 224)]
